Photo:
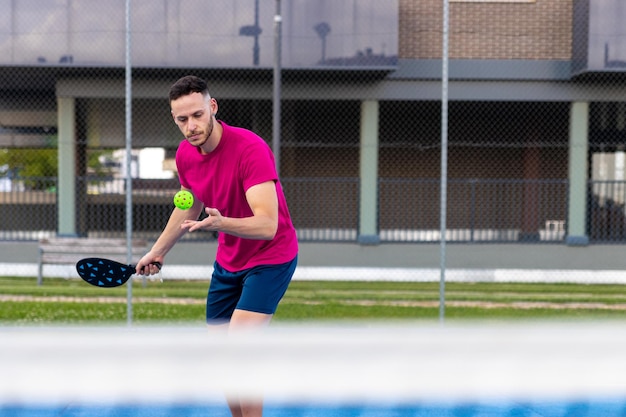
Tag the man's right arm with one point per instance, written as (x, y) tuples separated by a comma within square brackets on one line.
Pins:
[(168, 238)]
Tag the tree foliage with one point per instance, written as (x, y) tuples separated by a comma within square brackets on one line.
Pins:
[(37, 167)]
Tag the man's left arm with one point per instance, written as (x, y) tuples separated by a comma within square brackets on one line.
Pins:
[(262, 225)]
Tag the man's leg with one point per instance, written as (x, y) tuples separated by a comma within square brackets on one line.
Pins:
[(241, 320), (263, 288)]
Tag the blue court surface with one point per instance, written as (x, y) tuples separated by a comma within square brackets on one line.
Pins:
[(606, 408)]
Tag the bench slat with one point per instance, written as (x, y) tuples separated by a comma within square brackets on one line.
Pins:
[(90, 242), (72, 258), (89, 249)]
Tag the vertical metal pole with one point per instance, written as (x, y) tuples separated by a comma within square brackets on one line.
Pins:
[(277, 86), (129, 188), (256, 48), (444, 163)]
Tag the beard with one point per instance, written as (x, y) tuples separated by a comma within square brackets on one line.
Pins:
[(204, 139)]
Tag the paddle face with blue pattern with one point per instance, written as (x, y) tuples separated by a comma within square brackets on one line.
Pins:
[(105, 272)]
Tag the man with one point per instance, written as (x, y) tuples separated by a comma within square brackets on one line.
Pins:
[(231, 173)]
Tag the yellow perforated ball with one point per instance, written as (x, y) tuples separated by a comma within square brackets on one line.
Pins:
[(183, 200)]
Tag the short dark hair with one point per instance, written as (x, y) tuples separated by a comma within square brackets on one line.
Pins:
[(187, 85)]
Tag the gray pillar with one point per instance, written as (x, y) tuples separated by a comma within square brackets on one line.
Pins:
[(578, 148), (368, 204), (66, 197)]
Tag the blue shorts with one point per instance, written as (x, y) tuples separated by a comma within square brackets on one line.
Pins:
[(257, 289)]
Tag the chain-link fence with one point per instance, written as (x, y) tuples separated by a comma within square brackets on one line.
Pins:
[(516, 73)]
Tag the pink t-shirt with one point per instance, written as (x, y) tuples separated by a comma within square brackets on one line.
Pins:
[(220, 180)]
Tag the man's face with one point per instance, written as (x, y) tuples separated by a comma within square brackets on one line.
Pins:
[(193, 115)]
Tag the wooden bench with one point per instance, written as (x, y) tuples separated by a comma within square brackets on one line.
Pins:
[(65, 250)]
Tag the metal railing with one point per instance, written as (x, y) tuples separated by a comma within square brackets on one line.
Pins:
[(479, 210), (327, 209), (606, 216)]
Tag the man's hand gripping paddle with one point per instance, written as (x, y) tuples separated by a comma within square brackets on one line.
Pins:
[(105, 273)]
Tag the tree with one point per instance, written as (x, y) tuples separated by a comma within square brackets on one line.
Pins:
[(37, 168)]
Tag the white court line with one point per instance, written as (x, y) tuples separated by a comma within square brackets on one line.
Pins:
[(330, 273)]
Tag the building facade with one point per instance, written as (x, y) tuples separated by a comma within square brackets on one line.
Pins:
[(534, 128)]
